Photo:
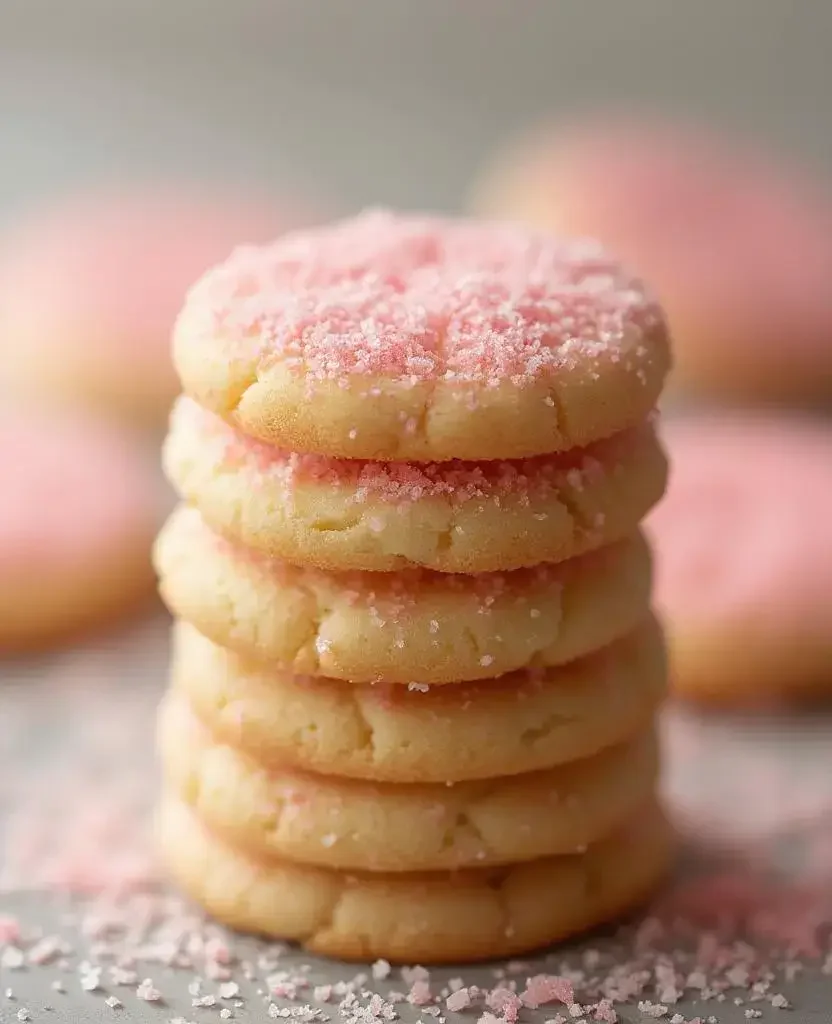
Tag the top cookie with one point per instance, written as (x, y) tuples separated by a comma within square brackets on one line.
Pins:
[(388, 337)]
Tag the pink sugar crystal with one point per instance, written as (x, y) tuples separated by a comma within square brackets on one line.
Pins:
[(604, 1011), (547, 988), (424, 299), (459, 1000), (506, 1002), (397, 483), (420, 994)]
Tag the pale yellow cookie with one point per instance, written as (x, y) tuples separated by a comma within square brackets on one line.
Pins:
[(399, 627), (367, 826), (453, 517), (520, 723), (425, 918), (402, 338)]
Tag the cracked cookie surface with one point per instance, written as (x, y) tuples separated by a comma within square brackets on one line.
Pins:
[(403, 338), (453, 517), (349, 824), (523, 722), (427, 917), (415, 625)]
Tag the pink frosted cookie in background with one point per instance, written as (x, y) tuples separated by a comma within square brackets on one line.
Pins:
[(738, 249), (743, 546), (90, 288), (80, 507)]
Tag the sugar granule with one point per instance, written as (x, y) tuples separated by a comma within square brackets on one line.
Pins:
[(148, 992), (420, 994), (604, 1011), (543, 989), (458, 1000)]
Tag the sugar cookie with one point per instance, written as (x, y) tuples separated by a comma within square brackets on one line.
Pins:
[(90, 288), (401, 338), (415, 625), (388, 733), (348, 824), (454, 517), (425, 918), (738, 248), (744, 558), (80, 506)]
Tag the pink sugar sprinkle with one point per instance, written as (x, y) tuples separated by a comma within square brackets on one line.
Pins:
[(423, 299), (148, 992), (420, 994), (9, 929), (604, 1012), (46, 950), (459, 1000), (506, 1002), (397, 483), (547, 988)]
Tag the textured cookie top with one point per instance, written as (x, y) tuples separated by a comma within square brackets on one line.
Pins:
[(425, 299), (401, 337)]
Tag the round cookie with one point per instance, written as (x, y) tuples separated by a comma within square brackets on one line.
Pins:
[(423, 918), (90, 288), (523, 722), (403, 338), (744, 558), (452, 517), (399, 627), (346, 824), (738, 249), (80, 506)]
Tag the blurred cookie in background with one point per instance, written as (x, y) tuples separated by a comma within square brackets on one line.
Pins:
[(738, 249), (90, 287), (743, 553), (80, 506)]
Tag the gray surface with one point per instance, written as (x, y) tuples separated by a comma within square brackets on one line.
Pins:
[(811, 997), (748, 791), (380, 101)]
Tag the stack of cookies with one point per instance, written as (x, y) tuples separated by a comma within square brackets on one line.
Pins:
[(415, 672)]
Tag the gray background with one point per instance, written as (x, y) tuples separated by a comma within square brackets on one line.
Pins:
[(380, 101)]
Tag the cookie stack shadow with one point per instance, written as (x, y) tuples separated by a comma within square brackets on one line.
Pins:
[(411, 711)]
